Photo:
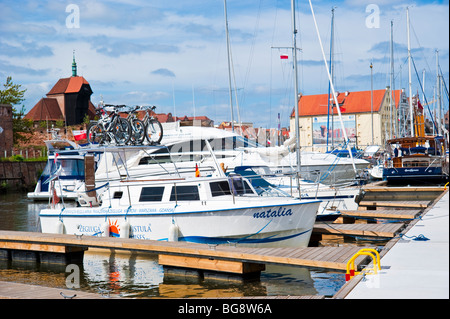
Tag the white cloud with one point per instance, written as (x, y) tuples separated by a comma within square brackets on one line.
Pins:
[(121, 44)]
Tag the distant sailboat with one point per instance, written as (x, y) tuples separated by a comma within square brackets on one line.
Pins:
[(416, 159)]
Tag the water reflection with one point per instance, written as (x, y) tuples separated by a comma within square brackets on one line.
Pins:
[(139, 275)]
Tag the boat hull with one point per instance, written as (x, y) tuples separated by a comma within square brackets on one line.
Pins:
[(419, 175), (286, 224)]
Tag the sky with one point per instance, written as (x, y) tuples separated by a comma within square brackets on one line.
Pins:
[(173, 54)]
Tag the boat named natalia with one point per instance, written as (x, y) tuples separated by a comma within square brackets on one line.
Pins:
[(209, 209)]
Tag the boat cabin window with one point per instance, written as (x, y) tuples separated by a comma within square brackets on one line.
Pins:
[(240, 186), (184, 193), (118, 195), (220, 188), (151, 194)]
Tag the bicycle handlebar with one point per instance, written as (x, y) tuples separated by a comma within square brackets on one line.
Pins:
[(137, 107)]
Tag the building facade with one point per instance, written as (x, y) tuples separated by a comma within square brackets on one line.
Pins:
[(6, 128), (366, 117)]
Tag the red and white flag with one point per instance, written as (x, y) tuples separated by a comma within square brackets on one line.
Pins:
[(284, 57), (79, 135)]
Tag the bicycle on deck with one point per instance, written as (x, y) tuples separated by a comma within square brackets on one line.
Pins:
[(110, 128), (137, 127), (153, 128)]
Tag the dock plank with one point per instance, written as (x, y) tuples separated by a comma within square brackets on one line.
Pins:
[(388, 213), (397, 204), (377, 230)]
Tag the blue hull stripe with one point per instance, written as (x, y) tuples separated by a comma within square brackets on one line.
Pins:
[(228, 240), (106, 213)]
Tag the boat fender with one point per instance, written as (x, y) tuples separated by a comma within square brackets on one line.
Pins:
[(359, 196), (104, 228), (59, 227), (173, 232), (124, 231)]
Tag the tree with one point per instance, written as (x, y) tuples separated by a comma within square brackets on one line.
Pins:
[(12, 94)]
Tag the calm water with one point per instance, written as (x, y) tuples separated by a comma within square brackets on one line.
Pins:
[(140, 275)]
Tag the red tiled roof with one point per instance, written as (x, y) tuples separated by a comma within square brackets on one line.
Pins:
[(68, 85), (354, 102), (45, 109)]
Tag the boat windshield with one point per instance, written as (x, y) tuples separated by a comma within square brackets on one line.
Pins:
[(240, 186), (69, 167)]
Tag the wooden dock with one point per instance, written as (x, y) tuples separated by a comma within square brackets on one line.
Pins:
[(324, 257)]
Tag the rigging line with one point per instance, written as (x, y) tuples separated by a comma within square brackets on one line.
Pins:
[(235, 88), (249, 63), (420, 47), (443, 82), (252, 49), (425, 97), (271, 62), (332, 88)]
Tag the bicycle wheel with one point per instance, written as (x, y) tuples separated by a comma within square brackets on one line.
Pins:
[(137, 132), (154, 131), (122, 131), (95, 134)]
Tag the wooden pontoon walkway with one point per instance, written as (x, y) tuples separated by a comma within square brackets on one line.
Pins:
[(324, 257), (14, 290), (382, 214), (371, 230)]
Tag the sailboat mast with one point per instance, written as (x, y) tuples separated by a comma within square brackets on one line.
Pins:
[(411, 111), (391, 86), (438, 91), (296, 104), (229, 65), (332, 74)]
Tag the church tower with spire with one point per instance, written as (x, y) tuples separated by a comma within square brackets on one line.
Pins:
[(74, 65)]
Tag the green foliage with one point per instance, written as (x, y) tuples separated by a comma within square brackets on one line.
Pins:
[(86, 119), (43, 124), (12, 94), (59, 123)]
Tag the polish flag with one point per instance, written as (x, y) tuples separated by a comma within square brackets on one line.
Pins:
[(284, 57), (79, 135)]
